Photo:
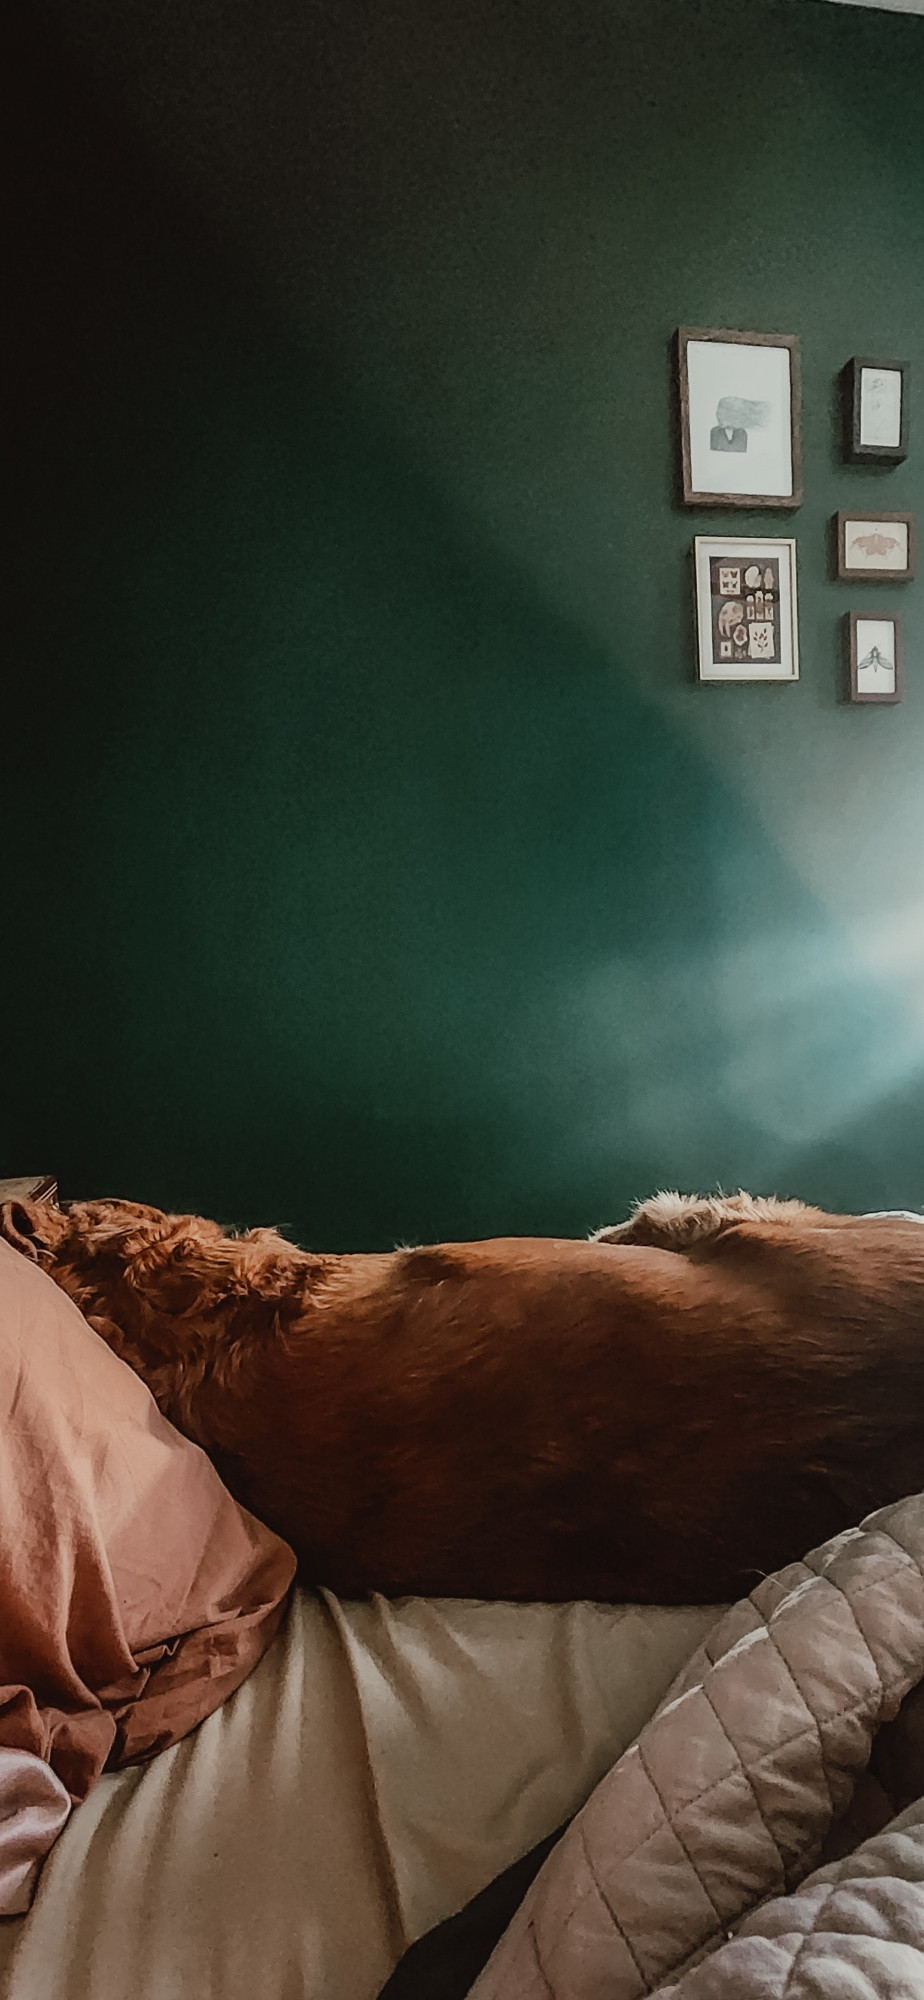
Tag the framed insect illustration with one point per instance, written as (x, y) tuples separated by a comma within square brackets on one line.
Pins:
[(876, 409), (874, 646), (746, 615), (876, 548), (740, 418)]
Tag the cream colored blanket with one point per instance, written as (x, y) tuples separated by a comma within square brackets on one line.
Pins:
[(380, 1766)]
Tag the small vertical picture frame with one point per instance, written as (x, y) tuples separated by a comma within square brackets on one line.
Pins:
[(874, 645), (876, 405)]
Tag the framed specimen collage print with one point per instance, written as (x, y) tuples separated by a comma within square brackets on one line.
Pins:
[(746, 609)]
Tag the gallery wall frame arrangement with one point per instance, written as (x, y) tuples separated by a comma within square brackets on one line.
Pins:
[(740, 397), (874, 653), (746, 609), (876, 411), (875, 548), (740, 418)]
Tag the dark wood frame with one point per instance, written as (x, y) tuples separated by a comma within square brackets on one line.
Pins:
[(691, 497), (852, 620), (873, 454), (847, 575)]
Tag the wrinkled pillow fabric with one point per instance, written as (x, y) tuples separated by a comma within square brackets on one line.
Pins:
[(135, 1594), (33, 1808)]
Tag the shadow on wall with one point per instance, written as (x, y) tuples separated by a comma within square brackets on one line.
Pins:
[(365, 893), (354, 887)]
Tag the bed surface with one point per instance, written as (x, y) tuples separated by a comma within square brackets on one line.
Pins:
[(381, 1765)]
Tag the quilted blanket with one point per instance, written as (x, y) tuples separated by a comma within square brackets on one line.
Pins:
[(719, 1856)]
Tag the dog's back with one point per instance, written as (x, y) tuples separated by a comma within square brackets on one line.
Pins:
[(529, 1418), (656, 1427)]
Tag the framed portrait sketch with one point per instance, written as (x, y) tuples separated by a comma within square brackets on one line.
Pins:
[(877, 411), (740, 418), (876, 548), (875, 655), (746, 609)]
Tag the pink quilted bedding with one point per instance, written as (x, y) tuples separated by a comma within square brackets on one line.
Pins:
[(689, 1871)]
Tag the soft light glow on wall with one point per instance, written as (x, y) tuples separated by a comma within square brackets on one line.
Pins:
[(893, 950), (892, 6)]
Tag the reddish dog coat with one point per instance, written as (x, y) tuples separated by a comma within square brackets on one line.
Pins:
[(528, 1418)]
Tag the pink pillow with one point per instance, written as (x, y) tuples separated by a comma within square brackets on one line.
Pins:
[(135, 1594)]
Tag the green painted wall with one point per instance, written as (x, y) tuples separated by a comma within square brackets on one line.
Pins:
[(372, 862)]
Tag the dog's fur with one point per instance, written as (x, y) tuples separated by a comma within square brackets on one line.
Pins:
[(658, 1415), (676, 1221)]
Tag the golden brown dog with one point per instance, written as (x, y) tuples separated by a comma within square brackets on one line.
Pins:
[(660, 1417)]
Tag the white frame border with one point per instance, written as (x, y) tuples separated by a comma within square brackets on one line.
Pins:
[(705, 547)]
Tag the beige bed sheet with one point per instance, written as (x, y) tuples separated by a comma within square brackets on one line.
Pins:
[(382, 1763)]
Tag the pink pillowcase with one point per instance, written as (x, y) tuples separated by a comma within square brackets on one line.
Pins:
[(135, 1594)]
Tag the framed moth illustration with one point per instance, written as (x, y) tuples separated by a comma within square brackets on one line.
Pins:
[(746, 613), (875, 655), (740, 418), (875, 548)]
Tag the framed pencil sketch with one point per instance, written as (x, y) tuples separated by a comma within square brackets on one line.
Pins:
[(875, 654), (877, 411), (740, 418), (876, 548), (746, 616)]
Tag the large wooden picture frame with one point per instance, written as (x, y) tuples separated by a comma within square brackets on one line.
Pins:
[(740, 418)]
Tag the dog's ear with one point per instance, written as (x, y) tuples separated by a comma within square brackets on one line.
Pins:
[(19, 1226), (685, 1222), (670, 1221)]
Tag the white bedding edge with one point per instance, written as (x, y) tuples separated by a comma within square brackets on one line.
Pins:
[(380, 1766)]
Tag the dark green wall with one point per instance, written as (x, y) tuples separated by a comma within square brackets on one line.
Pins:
[(372, 862)]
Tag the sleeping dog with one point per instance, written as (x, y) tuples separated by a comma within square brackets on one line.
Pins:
[(658, 1415)]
